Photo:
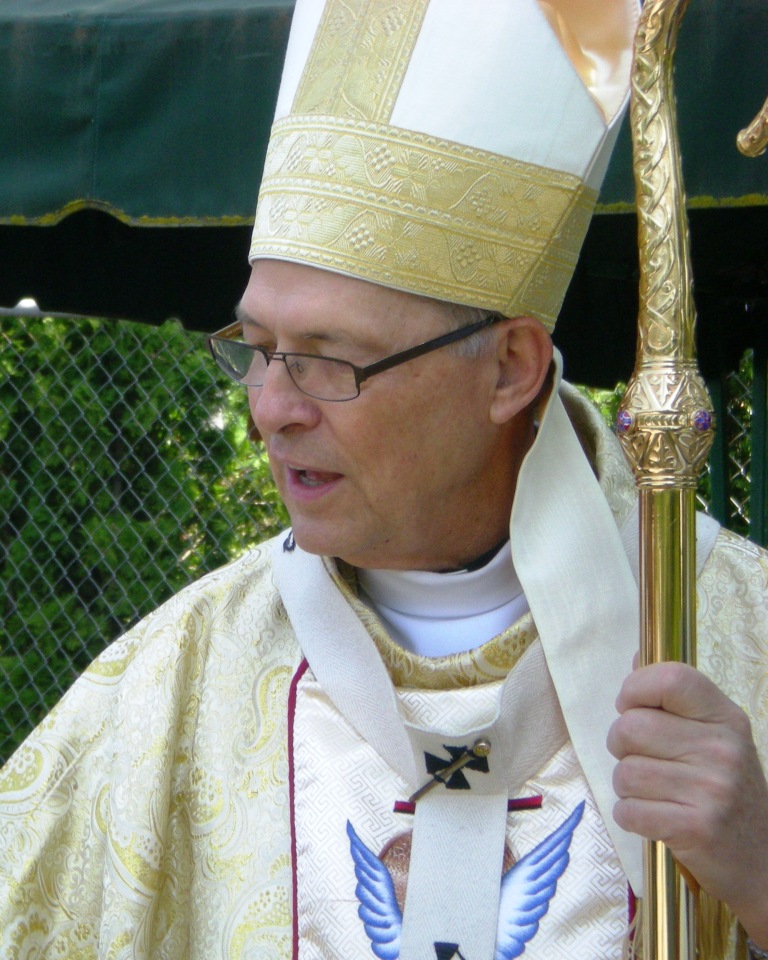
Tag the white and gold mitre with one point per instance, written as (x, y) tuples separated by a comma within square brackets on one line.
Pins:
[(450, 148)]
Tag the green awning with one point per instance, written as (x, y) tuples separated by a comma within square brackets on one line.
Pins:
[(159, 110), (721, 82)]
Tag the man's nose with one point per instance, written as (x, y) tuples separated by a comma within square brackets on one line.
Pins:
[(279, 403)]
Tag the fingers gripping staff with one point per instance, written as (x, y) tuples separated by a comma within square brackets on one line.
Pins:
[(689, 775)]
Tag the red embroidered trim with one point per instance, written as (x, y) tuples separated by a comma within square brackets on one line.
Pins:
[(292, 696), (631, 911), (525, 803), (520, 803)]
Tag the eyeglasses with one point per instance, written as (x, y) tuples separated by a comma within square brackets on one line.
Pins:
[(323, 378)]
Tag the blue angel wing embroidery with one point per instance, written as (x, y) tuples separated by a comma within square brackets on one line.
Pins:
[(526, 891), (378, 908), (528, 887)]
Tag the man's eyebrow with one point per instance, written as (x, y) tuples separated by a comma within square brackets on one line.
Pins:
[(242, 316), (246, 320), (340, 337)]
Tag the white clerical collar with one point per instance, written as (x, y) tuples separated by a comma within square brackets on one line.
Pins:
[(435, 614)]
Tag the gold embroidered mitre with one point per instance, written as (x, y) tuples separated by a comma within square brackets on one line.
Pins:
[(449, 148)]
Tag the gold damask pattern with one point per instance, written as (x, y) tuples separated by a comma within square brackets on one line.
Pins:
[(366, 86), (603, 451), (490, 661), (421, 214), (733, 628), (148, 814)]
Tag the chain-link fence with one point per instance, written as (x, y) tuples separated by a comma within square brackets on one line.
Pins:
[(737, 434), (126, 472)]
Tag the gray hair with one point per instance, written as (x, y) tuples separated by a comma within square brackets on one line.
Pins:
[(460, 315)]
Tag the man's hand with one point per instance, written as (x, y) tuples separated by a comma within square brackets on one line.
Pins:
[(689, 775)]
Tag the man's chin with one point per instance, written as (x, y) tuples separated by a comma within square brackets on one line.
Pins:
[(311, 539), (325, 542)]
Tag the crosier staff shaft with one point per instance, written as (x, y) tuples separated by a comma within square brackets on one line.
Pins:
[(665, 424)]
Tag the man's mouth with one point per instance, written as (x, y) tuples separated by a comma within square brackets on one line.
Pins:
[(315, 478)]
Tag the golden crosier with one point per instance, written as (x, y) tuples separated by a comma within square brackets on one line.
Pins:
[(670, 437), (665, 425)]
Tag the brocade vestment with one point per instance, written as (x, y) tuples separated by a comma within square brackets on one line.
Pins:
[(197, 780)]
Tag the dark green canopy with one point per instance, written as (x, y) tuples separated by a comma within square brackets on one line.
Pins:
[(132, 135), (156, 111)]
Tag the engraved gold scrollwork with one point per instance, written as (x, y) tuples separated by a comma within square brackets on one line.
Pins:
[(665, 420), (752, 141)]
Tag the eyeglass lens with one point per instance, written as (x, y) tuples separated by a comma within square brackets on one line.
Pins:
[(324, 378)]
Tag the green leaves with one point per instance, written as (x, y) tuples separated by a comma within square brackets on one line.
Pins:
[(125, 473)]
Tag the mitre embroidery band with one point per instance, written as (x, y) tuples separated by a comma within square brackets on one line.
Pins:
[(421, 214), (365, 86)]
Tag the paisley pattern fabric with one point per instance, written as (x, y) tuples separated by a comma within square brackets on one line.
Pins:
[(149, 815)]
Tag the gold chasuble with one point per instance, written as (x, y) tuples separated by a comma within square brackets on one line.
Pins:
[(200, 795)]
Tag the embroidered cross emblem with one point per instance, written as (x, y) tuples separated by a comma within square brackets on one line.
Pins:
[(450, 773)]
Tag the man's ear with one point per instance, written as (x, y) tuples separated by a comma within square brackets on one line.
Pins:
[(524, 354)]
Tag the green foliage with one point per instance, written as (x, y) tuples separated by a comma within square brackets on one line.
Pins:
[(126, 474), (606, 401)]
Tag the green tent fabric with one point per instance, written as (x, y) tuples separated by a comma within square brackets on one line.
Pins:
[(157, 111)]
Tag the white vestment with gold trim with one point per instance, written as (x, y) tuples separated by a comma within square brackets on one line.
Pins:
[(197, 778)]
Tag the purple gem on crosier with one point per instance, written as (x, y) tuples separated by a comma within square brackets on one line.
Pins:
[(623, 421), (702, 420)]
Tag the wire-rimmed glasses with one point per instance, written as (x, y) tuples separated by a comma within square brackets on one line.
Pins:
[(322, 378)]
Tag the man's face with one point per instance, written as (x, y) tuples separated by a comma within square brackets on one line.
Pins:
[(413, 473)]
